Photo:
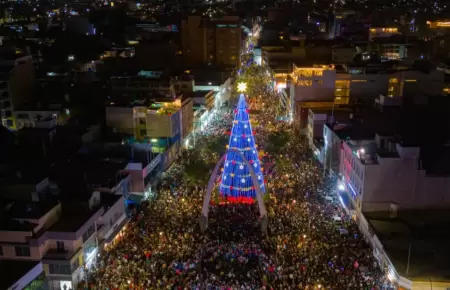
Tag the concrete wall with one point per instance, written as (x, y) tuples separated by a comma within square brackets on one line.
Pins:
[(160, 126), (193, 40), (393, 180), (21, 84), (187, 122), (9, 252), (368, 86), (322, 88), (121, 119), (110, 218)]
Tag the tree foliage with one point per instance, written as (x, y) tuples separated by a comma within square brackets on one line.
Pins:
[(199, 161), (197, 172), (276, 142), (217, 146)]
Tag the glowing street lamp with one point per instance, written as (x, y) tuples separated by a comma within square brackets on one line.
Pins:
[(242, 87)]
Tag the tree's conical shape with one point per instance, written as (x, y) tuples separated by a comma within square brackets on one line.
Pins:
[(236, 182)]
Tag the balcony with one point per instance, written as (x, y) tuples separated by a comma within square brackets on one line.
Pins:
[(54, 254)]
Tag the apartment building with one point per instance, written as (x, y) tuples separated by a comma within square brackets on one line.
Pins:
[(361, 83), (161, 120), (382, 31), (317, 120), (64, 239), (377, 176), (211, 41), (17, 81), (144, 84)]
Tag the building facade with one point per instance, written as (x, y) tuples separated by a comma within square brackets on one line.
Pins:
[(323, 83), (16, 87), (205, 41)]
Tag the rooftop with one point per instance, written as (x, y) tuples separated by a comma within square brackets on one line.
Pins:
[(125, 152), (340, 114), (425, 231), (31, 210), (73, 218), (85, 171), (14, 225)]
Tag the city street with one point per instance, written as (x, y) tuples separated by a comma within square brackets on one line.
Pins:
[(305, 248), (311, 243)]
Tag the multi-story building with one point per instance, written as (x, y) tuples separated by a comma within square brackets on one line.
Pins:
[(339, 20), (187, 117), (382, 31), (64, 239), (361, 83), (391, 51), (16, 84), (317, 119), (41, 118), (439, 27), (380, 173), (144, 84), (151, 121), (211, 41)]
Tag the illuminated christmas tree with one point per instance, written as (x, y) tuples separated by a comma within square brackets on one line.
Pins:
[(236, 182)]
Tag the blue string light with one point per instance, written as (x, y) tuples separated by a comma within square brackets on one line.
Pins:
[(236, 181)]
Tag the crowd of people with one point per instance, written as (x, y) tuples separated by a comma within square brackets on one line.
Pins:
[(311, 243)]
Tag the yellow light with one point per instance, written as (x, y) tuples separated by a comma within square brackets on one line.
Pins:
[(242, 87)]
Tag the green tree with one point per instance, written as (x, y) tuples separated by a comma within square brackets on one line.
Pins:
[(197, 172), (217, 146), (276, 142)]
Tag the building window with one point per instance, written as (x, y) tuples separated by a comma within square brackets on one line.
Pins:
[(75, 264), (88, 233), (60, 246), (59, 269), (23, 251)]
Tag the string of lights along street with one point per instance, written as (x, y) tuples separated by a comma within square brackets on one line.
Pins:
[(236, 183)]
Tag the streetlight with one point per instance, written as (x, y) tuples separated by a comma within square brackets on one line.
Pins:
[(242, 87)]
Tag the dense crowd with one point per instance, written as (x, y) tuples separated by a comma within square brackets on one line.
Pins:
[(312, 243)]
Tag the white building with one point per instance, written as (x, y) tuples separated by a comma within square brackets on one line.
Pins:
[(381, 174), (63, 241)]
